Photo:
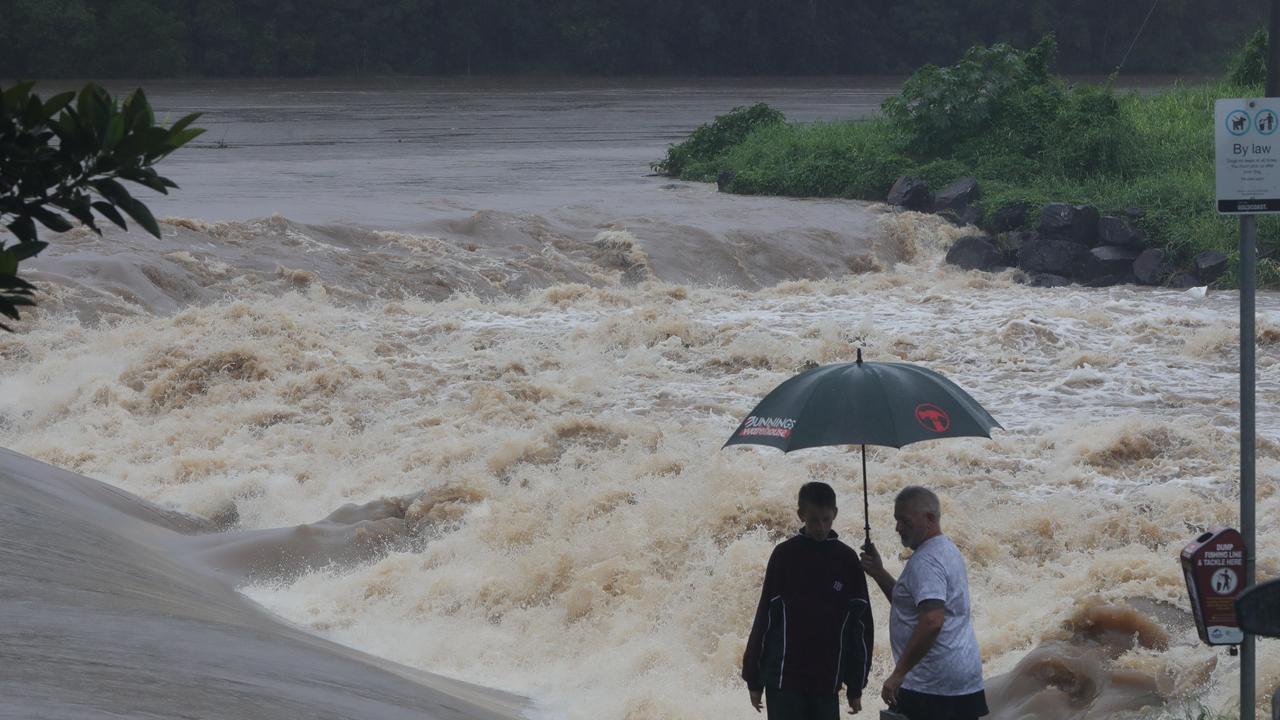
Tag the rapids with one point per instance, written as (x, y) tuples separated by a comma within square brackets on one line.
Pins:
[(521, 389), (574, 532)]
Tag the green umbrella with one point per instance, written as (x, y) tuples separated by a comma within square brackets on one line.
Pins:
[(863, 403)]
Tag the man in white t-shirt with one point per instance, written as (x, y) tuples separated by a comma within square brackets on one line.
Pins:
[(938, 671)]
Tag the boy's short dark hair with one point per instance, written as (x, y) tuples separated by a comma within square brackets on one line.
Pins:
[(817, 494)]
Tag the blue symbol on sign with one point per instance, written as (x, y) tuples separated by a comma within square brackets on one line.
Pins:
[(1265, 121), (1238, 122)]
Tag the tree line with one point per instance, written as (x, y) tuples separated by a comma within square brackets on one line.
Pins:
[(246, 38)]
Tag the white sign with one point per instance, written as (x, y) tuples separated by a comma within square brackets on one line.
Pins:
[(1247, 153)]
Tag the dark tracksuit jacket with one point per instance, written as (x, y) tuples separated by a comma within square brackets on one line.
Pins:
[(813, 628)]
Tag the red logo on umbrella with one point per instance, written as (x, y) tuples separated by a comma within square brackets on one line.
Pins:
[(932, 418)]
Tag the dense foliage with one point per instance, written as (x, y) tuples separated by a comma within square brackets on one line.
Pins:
[(147, 38), (68, 155), (1249, 66), (1028, 136), (940, 107), (701, 153)]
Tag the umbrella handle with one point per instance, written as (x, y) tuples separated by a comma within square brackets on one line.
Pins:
[(866, 504)]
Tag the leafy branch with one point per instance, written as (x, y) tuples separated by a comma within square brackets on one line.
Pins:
[(66, 156)]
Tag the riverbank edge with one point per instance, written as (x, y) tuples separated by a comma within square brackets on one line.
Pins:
[(1169, 195)]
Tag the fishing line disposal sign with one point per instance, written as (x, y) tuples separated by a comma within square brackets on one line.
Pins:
[(1247, 155), (1213, 565)]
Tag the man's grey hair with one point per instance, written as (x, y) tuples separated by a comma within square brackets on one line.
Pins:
[(919, 499)]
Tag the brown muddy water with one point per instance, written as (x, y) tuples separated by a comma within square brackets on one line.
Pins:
[(473, 301)]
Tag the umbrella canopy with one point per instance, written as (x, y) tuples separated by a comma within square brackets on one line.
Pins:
[(863, 403)]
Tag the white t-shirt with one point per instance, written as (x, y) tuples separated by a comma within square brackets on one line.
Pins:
[(953, 666)]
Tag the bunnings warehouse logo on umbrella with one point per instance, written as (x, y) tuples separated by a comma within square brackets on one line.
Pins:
[(762, 426)]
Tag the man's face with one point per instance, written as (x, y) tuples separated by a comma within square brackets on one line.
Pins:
[(817, 520), (911, 525)]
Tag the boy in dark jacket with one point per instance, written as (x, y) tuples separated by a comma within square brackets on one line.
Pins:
[(813, 629)]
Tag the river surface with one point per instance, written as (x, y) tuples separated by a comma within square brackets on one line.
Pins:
[(473, 295), (388, 152)]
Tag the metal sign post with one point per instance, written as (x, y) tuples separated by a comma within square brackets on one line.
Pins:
[(1248, 261), (1247, 179)]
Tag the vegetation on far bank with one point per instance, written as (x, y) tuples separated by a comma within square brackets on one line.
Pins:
[(98, 39), (1003, 116)]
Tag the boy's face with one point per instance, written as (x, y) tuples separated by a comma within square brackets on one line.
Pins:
[(817, 519)]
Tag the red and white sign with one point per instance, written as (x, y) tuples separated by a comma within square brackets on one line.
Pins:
[(1213, 565)]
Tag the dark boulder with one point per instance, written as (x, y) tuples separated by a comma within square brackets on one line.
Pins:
[(1106, 260), (1134, 213), (958, 195), (1117, 231), (1109, 280), (1183, 281), (1011, 244), (1210, 265), (724, 179), (1152, 266), (975, 252), (911, 193), (1046, 280), (964, 217), (1008, 217), (1054, 256), (1075, 223)]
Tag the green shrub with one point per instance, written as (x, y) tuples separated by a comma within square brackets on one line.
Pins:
[(697, 157), (940, 107), (1249, 66), (822, 159), (1092, 136)]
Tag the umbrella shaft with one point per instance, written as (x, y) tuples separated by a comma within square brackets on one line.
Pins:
[(866, 504)]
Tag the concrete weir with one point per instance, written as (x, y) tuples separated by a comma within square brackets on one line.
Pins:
[(104, 612)]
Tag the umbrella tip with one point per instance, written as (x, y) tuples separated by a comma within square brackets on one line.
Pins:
[(859, 356)]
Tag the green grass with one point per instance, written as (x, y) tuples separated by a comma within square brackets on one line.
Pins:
[(1155, 152)]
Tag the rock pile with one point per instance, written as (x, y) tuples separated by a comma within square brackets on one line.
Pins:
[(1070, 243)]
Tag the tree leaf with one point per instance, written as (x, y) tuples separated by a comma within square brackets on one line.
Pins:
[(16, 284), (56, 103), (115, 131), (142, 215), (23, 228), (22, 251), (182, 137), (50, 219), (111, 190), (182, 123), (109, 211), (16, 96), (8, 309)]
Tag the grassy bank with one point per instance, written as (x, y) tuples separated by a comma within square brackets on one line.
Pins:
[(1003, 117)]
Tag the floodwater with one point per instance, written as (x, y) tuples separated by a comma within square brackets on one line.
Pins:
[(389, 153), (473, 299)]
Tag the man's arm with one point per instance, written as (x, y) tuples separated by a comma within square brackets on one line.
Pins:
[(932, 615), (874, 568)]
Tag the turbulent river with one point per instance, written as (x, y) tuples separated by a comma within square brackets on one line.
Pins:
[(473, 299)]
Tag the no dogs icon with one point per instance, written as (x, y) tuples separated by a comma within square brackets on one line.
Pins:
[(1238, 122)]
